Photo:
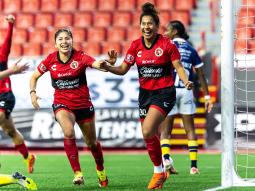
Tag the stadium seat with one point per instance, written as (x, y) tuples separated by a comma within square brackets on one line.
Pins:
[(141, 2), (96, 34), (133, 34), (92, 49), (77, 46), (1, 6), (252, 46), (12, 6), (246, 17), (30, 5), (68, 5), (136, 18), (122, 19), (49, 6), (116, 34), (83, 19), (38, 35), (16, 50), (244, 33), (87, 5), (3, 23), (124, 5), (248, 2), (102, 19), (32, 49), (47, 48), (164, 18), (125, 46), (24, 20), (184, 5), (20, 36), (2, 34), (43, 20), (109, 45), (63, 20), (165, 5), (79, 35), (242, 46), (183, 16), (106, 5)]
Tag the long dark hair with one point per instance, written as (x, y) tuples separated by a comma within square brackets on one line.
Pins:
[(179, 26), (149, 9)]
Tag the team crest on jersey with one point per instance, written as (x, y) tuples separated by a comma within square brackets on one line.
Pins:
[(74, 65), (129, 58), (43, 67), (139, 54), (53, 67), (158, 52)]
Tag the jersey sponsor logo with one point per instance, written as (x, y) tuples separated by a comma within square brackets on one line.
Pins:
[(158, 52), (2, 103), (149, 72), (166, 104), (54, 67), (74, 65), (65, 74), (43, 68), (139, 54), (129, 58), (67, 84)]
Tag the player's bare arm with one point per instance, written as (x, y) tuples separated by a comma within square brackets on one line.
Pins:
[(33, 82)]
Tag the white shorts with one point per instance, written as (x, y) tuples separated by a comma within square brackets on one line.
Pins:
[(184, 102)]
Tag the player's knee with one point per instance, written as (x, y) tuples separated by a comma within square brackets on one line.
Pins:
[(91, 144), (2, 117), (69, 134), (147, 133), (10, 132)]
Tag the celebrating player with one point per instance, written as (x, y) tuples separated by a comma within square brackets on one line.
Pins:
[(7, 98), (184, 98), (72, 102), (155, 57)]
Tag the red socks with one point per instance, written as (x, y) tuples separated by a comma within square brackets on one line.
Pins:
[(22, 149), (72, 154), (154, 150), (98, 156)]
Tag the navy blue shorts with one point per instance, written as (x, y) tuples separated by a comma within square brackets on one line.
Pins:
[(7, 103)]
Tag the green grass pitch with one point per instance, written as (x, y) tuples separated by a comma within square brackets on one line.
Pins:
[(126, 172)]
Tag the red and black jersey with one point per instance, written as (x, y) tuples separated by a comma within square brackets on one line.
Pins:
[(155, 63), (5, 83), (69, 79)]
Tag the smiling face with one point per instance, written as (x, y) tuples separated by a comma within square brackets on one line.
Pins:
[(64, 42), (148, 27)]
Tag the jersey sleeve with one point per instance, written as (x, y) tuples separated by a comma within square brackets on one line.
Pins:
[(130, 55), (87, 59), (173, 51), (196, 60), (43, 66), (6, 46)]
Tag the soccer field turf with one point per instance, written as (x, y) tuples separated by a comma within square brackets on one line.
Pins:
[(125, 172)]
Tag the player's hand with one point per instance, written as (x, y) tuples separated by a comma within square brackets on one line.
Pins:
[(34, 100), (17, 69), (100, 65), (10, 18), (189, 85), (112, 57), (208, 105)]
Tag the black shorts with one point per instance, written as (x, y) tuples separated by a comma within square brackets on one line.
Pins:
[(161, 99), (7, 103), (81, 115)]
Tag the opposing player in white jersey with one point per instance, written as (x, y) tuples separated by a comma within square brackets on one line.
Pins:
[(184, 98)]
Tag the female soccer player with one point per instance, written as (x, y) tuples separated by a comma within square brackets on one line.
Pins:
[(184, 98), (72, 102), (7, 99), (155, 57)]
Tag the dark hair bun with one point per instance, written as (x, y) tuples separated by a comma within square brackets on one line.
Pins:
[(149, 8)]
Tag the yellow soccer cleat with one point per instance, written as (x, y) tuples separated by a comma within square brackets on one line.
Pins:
[(157, 181), (25, 182), (30, 162), (78, 178), (102, 178)]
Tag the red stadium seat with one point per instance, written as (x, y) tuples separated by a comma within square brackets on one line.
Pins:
[(166, 5), (25, 20), (12, 6), (68, 5), (79, 35), (252, 46), (136, 18), (122, 19), (43, 20), (106, 5), (32, 49), (1, 6), (96, 34), (185, 5), (77, 46), (87, 5), (124, 5), (125, 47), (20, 36), (133, 34), (38, 35), (109, 45), (83, 19), (30, 5), (242, 46), (3, 23), (116, 34), (165, 18), (102, 19), (244, 33), (246, 17), (91, 48), (3, 32), (49, 6), (248, 2), (141, 2), (63, 20), (183, 16), (16, 50), (47, 48)]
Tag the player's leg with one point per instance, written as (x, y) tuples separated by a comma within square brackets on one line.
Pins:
[(18, 140), (89, 132), (66, 119), (150, 127), (188, 122)]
